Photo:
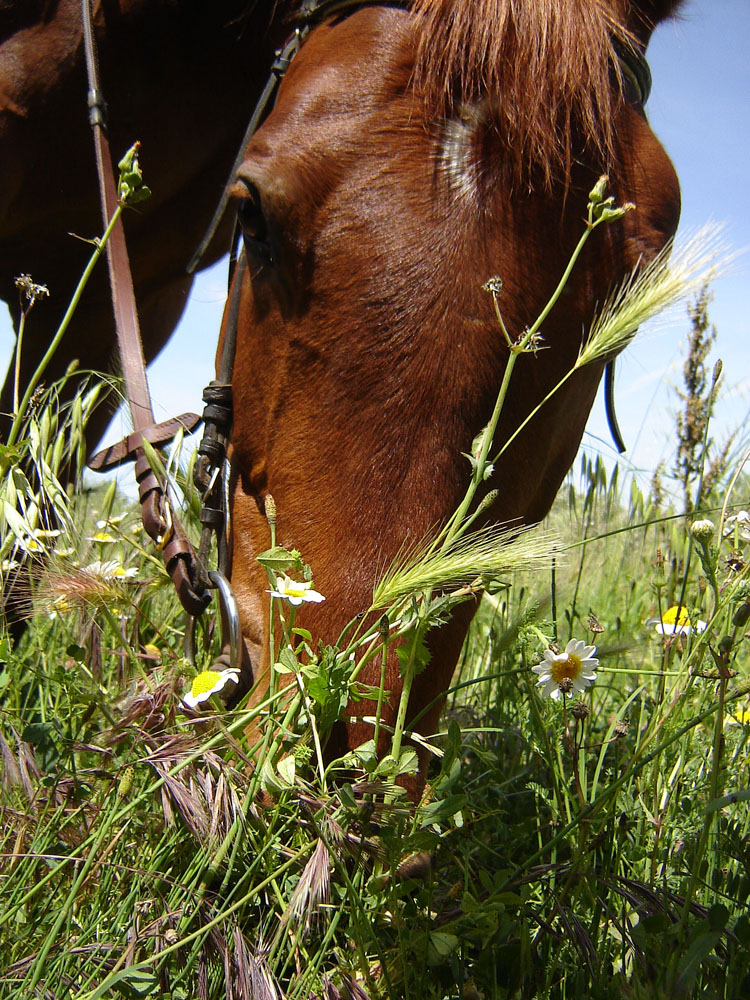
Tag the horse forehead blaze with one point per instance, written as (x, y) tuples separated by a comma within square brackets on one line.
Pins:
[(368, 354)]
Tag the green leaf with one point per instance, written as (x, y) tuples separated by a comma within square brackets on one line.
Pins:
[(700, 948), (131, 983), (414, 654), (279, 559), (346, 796), (286, 769), (408, 762), (440, 946), (38, 733), (718, 916), (287, 662), (741, 930)]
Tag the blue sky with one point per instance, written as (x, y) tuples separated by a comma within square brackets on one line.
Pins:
[(700, 109)]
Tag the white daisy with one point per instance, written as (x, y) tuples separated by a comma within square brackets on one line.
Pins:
[(740, 717), (208, 683), (294, 592), (36, 541), (574, 668), (102, 538), (110, 570), (676, 621), (738, 525)]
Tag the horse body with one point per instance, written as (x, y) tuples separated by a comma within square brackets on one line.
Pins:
[(168, 72), (368, 355)]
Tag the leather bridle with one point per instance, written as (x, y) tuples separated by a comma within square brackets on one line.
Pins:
[(188, 571), (159, 520)]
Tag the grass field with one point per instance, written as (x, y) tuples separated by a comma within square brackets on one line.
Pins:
[(564, 848)]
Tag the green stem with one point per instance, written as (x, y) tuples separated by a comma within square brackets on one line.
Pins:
[(19, 348), (409, 674), (384, 626), (455, 523), (35, 378), (718, 746), (481, 462)]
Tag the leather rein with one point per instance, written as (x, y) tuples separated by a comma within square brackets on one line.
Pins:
[(192, 579)]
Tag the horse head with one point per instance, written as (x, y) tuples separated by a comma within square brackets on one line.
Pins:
[(411, 155)]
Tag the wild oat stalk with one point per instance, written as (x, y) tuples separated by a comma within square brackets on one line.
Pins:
[(483, 555), (674, 275)]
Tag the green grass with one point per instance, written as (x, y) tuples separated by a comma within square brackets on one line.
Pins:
[(556, 853)]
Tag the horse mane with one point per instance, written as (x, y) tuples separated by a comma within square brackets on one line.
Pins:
[(543, 70)]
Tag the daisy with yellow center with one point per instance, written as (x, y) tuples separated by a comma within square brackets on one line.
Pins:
[(295, 592), (570, 671), (737, 527), (208, 683), (102, 537), (109, 570), (36, 541), (740, 717), (676, 621)]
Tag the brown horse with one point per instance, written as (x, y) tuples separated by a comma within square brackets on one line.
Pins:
[(180, 76), (411, 155)]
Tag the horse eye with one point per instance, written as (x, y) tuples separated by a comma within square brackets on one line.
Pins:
[(250, 214)]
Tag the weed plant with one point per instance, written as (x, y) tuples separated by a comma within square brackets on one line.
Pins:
[(581, 845)]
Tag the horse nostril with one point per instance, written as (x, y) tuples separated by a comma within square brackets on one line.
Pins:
[(250, 214)]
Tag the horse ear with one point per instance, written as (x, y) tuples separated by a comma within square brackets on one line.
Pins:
[(658, 10), (646, 14)]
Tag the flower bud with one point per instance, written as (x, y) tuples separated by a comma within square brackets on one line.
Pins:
[(596, 194), (270, 506), (611, 213), (725, 644), (565, 685), (493, 285), (594, 625), (488, 501), (703, 531)]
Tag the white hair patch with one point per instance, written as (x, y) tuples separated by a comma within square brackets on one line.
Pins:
[(457, 155)]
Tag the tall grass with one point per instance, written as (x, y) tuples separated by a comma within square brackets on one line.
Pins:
[(586, 846)]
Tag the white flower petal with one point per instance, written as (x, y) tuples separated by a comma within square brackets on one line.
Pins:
[(208, 683)]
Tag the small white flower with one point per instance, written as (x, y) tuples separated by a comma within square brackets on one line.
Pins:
[(36, 541), (676, 621), (102, 538), (294, 592), (60, 608), (740, 717), (208, 683), (112, 519), (739, 525), (574, 665), (109, 570)]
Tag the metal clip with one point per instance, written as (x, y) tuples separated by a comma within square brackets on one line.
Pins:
[(230, 622)]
